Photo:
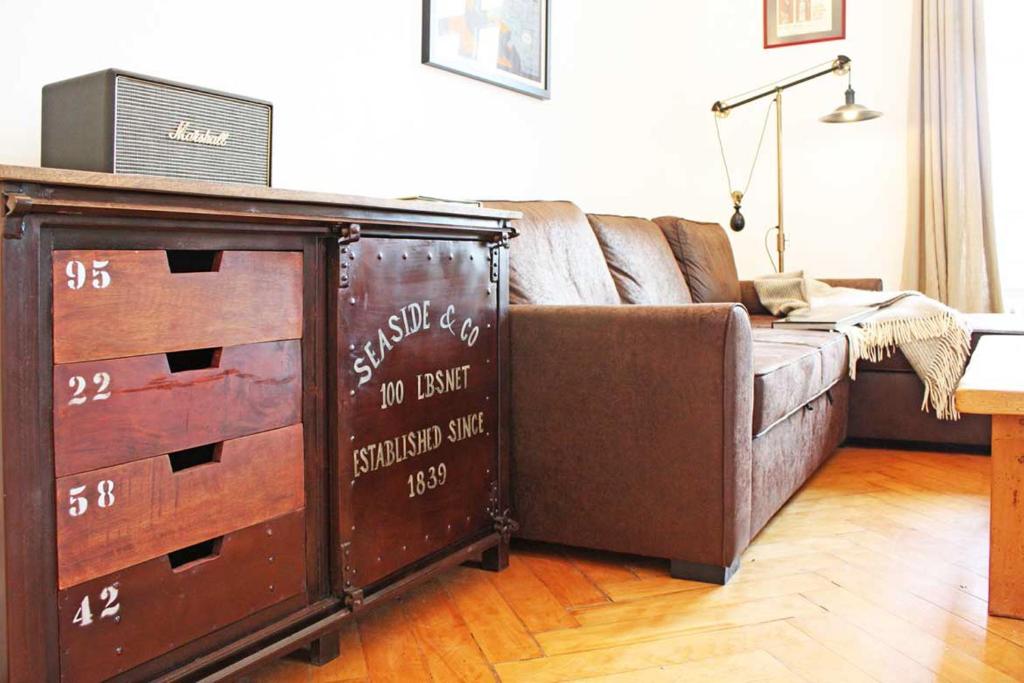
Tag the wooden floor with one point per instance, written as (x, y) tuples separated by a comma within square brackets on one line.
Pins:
[(875, 571)]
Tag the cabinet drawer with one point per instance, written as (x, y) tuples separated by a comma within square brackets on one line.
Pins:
[(115, 411), (112, 304), (116, 517), (115, 622)]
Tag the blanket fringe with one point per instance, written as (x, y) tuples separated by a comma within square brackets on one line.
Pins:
[(937, 346)]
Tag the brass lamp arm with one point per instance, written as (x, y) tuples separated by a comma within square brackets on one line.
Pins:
[(840, 65)]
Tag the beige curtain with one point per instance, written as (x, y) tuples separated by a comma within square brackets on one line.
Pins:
[(951, 242)]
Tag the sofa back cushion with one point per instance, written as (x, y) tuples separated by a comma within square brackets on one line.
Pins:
[(556, 258), (640, 260), (705, 257)]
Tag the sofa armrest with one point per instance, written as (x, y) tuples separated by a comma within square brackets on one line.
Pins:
[(748, 295), (632, 428)]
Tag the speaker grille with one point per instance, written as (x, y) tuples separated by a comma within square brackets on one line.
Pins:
[(147, 113)]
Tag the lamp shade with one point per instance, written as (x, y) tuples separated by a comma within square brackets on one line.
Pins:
[(851, 111)]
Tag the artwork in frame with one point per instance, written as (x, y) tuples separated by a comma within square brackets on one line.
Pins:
[(796, 22), (504, 42)]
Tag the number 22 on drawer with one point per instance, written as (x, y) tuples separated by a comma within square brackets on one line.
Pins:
[(77, 384)]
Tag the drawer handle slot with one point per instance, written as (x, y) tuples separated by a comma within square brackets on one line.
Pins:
[(193, 260), (200, 552), (194, 457), (193, 359)]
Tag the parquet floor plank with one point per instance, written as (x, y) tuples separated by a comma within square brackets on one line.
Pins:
[(447, 645), (565, 581), (887, 546), (736, 593), (812, 660), (970, 638), (494, 625), (806, 529), (390, 647), (929, 651), (883, 663), (747, 666), (530, 598), (754, 570), (694, 620), (634, 657)]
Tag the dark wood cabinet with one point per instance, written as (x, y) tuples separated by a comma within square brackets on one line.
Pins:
[(233, 417)]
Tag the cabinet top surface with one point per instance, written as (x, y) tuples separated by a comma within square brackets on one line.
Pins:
[(91, 179), (994, 381)]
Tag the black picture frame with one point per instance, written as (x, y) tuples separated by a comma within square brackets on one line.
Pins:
[(540, 89)]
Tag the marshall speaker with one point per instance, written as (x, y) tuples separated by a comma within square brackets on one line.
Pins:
[(121, 122)]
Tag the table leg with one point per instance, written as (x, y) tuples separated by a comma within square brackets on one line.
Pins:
[(1006, 563)]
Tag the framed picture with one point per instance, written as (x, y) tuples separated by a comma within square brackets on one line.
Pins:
[(504, 42), (795, 22)]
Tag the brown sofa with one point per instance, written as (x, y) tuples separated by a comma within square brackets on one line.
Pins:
[(670, 429), (676, 427)]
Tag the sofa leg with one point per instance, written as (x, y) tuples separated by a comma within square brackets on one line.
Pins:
[(708, 573)]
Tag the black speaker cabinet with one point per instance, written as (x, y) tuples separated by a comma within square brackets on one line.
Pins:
[(120, 122)]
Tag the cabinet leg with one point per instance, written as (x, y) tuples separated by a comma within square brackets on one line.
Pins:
[(324, 649), (495, 559)]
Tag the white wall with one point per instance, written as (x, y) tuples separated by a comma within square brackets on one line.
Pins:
[(628, 129)]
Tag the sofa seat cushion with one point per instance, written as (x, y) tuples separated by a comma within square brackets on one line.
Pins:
[(556, 258), (640, 260), (762, 320), (791, 368)]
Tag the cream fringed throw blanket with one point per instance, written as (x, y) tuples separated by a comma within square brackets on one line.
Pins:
[(935, 338)]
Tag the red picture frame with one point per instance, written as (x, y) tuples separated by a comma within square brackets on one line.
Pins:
[(799, 22)]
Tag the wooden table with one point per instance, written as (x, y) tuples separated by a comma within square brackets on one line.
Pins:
[(994, 385)]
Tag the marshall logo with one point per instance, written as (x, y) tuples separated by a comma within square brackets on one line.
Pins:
[(183, 133)]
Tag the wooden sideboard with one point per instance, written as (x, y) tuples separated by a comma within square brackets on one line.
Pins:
[(233, 417)]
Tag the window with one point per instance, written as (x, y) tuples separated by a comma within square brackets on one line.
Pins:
[(1004, 57)]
